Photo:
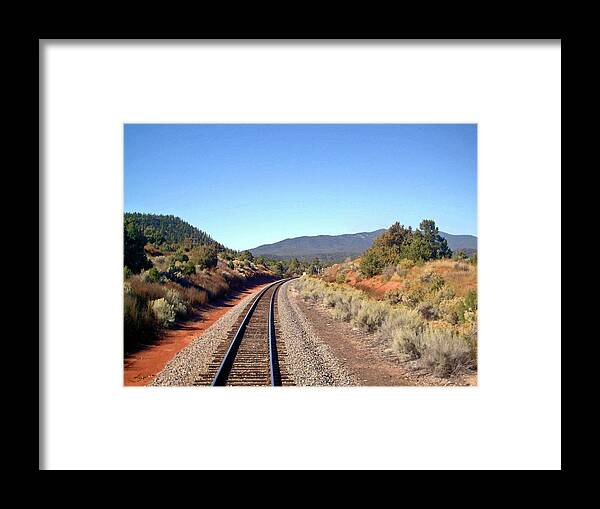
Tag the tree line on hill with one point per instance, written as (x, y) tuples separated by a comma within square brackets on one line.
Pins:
[(163, 230), (190, 247)]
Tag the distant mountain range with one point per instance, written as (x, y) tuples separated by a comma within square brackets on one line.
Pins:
[(339, 247)]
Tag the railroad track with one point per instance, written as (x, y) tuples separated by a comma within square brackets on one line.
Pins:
[(251, 355)]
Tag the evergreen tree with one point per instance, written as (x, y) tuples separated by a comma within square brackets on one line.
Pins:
[(437, 244), (134, 241)]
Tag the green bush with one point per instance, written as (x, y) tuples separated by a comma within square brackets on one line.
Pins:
[(471, 300), (204, 256), (189, 268), (152, 275), (466, 309), (180, 256), (371, 263), (459, 255), (340, 278)]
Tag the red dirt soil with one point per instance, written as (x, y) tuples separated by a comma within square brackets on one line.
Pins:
[(141, 367)]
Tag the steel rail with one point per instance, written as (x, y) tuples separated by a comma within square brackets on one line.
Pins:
[(273, 357), (220, 377)]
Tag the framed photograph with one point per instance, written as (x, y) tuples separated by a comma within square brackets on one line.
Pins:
[(322, 264), (321, 249)]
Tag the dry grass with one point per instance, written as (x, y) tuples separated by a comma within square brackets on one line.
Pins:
[(412, 331), (194, 297), (146, 290), (212, 282), (460, 277)]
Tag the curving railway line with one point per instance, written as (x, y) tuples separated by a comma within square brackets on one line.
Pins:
[(251, 355)]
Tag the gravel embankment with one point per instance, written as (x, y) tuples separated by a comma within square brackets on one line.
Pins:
[(309, 360), (194, 359)]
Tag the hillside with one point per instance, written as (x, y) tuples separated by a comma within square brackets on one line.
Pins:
[(161, 228), (339, 247), (172, 271), (467, 243)]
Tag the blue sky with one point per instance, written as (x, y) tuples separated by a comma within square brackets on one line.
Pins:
[(252, 184)]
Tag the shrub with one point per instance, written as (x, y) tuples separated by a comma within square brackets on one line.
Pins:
[(161, 263), (173, 298), (412, 295), (152, 275), (434, 280), (448, 309), (404, 266), (459, 255), (371, 263), (331, 299), (139, 322), (452, 317), (340, 278), (127, 272), (407, 343), (400, 328), (393, 296), (194, 297), (214, 284), (189, 268), (204, 256), (445, 352), (471, 300), (145, 289), (180, 256), (442, 350), (428, 311), (467, 307), (470, 336), (444, 293), (164, 312), (369, 314)]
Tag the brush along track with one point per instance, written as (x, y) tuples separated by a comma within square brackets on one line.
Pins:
[(251, 355)]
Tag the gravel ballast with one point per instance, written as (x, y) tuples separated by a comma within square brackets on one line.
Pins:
[(195, 358), (309, 360)]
